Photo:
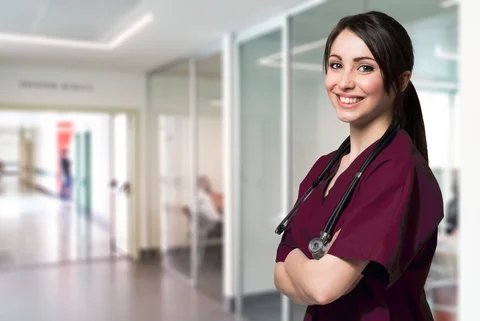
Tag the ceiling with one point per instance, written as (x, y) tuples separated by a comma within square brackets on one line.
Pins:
[(80, 20), (178, 28)]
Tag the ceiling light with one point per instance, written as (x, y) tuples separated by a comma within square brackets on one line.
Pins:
[(46, 41), (275, 60), (131, 30), (449, 3), (295, 51)]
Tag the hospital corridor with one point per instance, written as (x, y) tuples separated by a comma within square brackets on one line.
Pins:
[(149, 149)]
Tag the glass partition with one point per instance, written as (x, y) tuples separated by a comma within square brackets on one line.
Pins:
[(169, 94), (260, 174), (209, 184)]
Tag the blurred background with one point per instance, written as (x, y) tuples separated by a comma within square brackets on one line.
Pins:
[(148, 150)]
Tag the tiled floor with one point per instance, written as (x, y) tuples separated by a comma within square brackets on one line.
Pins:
[(209, 271)]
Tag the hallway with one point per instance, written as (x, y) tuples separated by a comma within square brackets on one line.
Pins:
[(57, 265)]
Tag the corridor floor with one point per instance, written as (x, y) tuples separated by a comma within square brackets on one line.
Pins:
[(103, 291)]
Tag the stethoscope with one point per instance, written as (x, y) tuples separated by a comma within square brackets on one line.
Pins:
[(318, 246)]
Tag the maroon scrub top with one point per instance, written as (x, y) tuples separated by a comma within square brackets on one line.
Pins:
[(391, 221)]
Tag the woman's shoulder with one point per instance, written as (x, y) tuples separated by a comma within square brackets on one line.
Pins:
[(400, 153), (401, 162)]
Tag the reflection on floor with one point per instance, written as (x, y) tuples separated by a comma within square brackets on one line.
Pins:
[(103, 291), (36, 229), (209, 272)]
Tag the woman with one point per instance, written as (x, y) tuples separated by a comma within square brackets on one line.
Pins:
[(379, 258)]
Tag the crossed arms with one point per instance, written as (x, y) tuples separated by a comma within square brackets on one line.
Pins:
[(317, 282)]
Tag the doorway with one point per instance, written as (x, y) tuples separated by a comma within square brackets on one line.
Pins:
[(40, 223)]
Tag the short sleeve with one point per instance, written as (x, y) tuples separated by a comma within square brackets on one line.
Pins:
[(287, 243), (286, 246), (390, 218)]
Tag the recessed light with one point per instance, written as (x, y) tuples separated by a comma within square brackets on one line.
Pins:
[(118, 40), (448, 3)]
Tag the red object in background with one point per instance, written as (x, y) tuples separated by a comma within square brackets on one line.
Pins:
[(64, 139)]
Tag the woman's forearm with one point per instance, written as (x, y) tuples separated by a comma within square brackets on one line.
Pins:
[(285, 286)]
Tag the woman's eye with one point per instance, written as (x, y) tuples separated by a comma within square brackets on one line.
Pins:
[(366, 68), (335, 65)]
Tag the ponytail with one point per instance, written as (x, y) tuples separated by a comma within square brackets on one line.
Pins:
[(409, 116)]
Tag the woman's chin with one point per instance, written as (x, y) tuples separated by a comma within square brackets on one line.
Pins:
[(346, 117)]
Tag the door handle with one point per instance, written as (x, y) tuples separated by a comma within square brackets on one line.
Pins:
[(126, 188), (113, 183)]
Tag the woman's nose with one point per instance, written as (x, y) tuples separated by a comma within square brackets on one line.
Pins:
[(347, 81)]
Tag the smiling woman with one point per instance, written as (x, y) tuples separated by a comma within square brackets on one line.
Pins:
[(377, 263)]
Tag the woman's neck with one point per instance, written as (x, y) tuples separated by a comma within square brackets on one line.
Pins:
[(362, 137)]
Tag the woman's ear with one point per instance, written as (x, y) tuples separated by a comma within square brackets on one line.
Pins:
[(405, 79)]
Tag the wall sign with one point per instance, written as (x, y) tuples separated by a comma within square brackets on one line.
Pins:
[(55, 85)]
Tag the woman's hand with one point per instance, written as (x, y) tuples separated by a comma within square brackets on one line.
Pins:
[(359, 278)]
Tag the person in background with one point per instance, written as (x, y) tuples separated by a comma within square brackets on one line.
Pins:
[(65, 165), (209, 203)]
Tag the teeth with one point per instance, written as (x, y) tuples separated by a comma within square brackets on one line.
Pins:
[(349, 100)]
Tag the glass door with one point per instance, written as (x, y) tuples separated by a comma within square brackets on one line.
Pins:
[(260, 128)]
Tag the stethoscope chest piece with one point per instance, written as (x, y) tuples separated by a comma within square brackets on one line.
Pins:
[(318, 246)]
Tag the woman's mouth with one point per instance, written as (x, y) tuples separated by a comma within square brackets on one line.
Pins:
[(349, 102)]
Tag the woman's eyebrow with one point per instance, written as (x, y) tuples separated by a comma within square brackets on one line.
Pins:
[(354, 59)]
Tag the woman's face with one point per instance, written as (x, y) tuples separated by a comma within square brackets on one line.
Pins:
[(354, 82)]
